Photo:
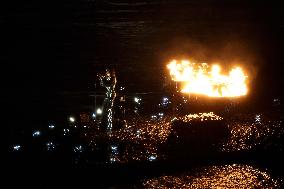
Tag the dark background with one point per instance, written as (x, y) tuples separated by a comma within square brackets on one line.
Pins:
[(52, 50)]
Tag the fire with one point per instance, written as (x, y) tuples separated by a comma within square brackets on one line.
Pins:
[(200, 78)]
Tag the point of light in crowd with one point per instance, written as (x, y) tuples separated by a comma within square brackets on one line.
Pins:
[(36, 133), (51, 126), (99, 111), (16, 147), (71, 119)]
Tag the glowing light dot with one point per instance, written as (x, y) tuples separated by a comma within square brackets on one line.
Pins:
[(36, 133), (72, 119), (152, 158), (16, 147), (99, 111)]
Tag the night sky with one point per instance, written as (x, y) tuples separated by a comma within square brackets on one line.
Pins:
[(52, 49)]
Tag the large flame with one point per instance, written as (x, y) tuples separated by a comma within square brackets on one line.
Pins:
[(208, 80)]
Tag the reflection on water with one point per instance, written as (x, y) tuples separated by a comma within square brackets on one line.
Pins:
[(136, 140), (249, 131), (199, 117), (227, 176), (139, 138), (145, 129), (143, 138)]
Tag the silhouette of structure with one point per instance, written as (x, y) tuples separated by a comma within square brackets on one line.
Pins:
[(108, 80)]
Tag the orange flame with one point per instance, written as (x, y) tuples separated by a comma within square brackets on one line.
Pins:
[(203, 79)]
